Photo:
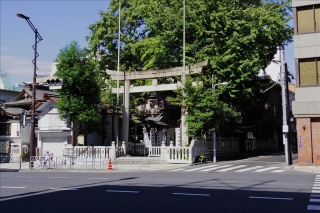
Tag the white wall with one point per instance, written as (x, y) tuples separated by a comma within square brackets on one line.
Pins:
[(50, 119)]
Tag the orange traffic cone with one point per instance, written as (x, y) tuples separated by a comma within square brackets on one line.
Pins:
[(110, 164)]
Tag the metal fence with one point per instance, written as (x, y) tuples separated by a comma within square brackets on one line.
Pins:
[(11, 160), (73, 162)]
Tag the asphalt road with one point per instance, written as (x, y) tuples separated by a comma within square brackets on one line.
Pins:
[(156, 191)]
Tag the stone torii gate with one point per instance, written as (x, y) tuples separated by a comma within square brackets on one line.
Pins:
[(154, 75)]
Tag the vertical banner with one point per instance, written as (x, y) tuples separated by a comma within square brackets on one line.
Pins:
[(152, 137), (158, 138), (177, 136)]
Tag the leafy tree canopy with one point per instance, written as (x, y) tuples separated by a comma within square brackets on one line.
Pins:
[(239, 37), (80, 93)]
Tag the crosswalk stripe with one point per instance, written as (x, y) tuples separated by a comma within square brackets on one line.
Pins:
[(198, 168), (232, 168), (266, 169), (313, 207), (210, 169), (235, 168), (315, 195), (315, 191), (278, 170), (248, 169), (175, 170), (314, 200)]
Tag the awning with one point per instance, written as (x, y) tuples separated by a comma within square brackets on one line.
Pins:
[(158, 120)]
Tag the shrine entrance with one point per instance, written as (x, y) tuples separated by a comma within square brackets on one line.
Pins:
[(127, 89)]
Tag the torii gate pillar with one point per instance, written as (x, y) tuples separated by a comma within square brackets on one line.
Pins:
[(126, 113)]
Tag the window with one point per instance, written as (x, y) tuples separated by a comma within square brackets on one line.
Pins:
[(5, 129), (308, 19), (309, 71)]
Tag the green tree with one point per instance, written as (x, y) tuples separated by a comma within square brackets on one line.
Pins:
[(239, 37), (80, 92)]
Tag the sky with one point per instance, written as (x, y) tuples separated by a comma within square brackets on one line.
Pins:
[(58, 22)]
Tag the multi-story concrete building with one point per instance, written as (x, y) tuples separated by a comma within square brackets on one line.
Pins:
[(306, 107)]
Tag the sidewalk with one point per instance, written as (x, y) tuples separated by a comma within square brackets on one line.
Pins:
[(313, 169), (117, 168)]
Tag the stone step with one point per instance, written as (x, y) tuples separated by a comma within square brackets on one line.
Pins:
[(139, 160)]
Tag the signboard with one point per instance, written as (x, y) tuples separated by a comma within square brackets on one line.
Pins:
[(55, 87)]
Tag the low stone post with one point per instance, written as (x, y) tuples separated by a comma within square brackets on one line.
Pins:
[(123, 146), (163, 150), (112, 153)]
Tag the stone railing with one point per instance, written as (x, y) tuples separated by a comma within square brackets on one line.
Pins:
[(172, 154), (154, 151)]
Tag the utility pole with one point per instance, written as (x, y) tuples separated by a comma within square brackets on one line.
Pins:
[(285, 127), (289, 148)]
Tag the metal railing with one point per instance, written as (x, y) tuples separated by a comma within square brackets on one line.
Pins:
[(72, 163), (10, 159)]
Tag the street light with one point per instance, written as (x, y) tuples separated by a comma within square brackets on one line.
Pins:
[(38, 38), (214, 130), (214, 85)]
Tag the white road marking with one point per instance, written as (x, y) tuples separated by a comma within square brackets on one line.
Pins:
[(123, 191), (210, 169), (97, 178), (316, 188), (266, 169), (278, 170), (313, 207), (199, 168), (316, 184), (315, 191), (314, 200), (175, 170), (58, 177), (189, 194), (64, 189), (13, 187), (271, 198), (228, 169), (248, 169), (315, 195)]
